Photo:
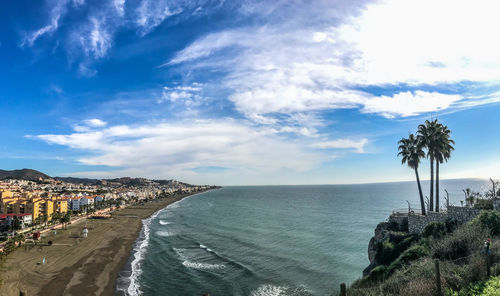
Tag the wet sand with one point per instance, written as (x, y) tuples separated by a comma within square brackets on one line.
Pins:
[(76, 265)]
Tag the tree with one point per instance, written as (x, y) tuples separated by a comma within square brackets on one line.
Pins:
[(410, 150), (65, 219), (44, 219), (10, 246), (444, 147), (16, 223), (427, 137), (56, 216), (19, 238)]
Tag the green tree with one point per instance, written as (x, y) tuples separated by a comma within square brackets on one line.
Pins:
[(16, 223), (19, 238), (427, 136), (436, 138), (444, 147), (44, 219), (10, 246), (410, 150)]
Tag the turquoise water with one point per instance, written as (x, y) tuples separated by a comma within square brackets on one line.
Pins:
[(269, 240)]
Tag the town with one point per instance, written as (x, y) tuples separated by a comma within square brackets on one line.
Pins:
[(39, 201)]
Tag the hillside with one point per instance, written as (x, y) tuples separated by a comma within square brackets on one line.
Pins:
[(29, 174), (26, 174)]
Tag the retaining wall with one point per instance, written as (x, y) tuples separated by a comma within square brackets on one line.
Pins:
[(417, 223)]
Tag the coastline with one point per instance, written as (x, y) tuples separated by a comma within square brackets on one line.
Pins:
[(77, 266), (127, 279)]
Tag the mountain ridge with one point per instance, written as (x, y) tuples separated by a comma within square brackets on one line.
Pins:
[(34, 175)]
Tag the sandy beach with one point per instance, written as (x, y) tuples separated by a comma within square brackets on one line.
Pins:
[(75, 265)]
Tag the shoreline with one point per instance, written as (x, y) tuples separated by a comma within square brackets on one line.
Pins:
[(77, 266), (128, 277)]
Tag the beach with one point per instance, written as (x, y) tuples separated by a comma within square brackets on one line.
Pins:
[(75, 265)]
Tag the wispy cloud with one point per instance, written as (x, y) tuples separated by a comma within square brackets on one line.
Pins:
[(56, 13), (288, 66), (180, 147), (152, 13), (357, 145), (94, 26)]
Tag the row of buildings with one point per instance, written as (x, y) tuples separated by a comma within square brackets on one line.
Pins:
[(36, 201)]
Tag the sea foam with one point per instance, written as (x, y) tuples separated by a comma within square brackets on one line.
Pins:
[(198, 265), (269, 290), (139, 251), (164, 233)]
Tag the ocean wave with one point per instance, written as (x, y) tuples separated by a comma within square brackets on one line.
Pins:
[(163, 222), (274, 290), (269, 290), (198, 265), (139, 252), (164, 233), (206, 248)]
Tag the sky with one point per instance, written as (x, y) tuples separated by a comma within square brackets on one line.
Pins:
[(246, 92)]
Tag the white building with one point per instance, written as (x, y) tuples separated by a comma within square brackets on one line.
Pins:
[(75, 203), (86, 201)]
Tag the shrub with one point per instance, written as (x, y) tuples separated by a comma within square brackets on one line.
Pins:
[(451, 225), (384, 252), (412, 254), (435, 229), (490, 220), (484, 204), (398, 280), (419, 286), (492, 287), (378, 273), (461, 243)]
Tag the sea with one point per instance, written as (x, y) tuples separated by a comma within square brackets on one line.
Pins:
[(268, 240)]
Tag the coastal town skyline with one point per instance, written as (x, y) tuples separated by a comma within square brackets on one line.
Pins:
[(250, 92)]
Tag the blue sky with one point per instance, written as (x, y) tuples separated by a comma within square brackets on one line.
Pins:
[(246, 92)]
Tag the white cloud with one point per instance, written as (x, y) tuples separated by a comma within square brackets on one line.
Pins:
[(424, 42), (406, 104), (57, 11), (297, 67), (186, 95), (178, 148), (89, 125), (357, 145), (152, 13), (119, 6), (95, 39), (95, 122)]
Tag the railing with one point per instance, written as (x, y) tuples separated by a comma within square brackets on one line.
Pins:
[(406, 212)]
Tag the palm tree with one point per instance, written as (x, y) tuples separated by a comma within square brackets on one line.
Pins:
[(427, 137), (444, 147), (411, 151)]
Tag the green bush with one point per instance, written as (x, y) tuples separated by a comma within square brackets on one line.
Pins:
[(461, 243), (492, 287), (484, 204), (435, 229), (413, 253), (378, 273), (451, 225), (490, 220), (384, 253)]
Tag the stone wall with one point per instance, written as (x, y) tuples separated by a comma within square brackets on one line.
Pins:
[(462, 214), (417, 223)]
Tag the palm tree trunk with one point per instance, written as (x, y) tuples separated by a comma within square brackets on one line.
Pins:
[(431, 199), (437, 185), (422, 204)]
